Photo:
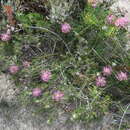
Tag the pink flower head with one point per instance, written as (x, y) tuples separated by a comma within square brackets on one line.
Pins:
[(110, 19), (26, 64), (36, 92), (45, 75), (5, 37), (100, 81), (107, 70), (65, 28), (122, 22), (13, 69), (57, 95), (94, 4), (122, 76)]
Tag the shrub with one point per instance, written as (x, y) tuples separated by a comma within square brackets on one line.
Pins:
[(59, 68)]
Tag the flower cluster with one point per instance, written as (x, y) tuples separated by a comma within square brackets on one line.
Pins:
[(65, 28), (13, 69), (110, 19), (100, 81), (107, 71), (45, 75), (57, 95), (118, 22), (122, 22), (5, 37), (122, 76), (36, 92)]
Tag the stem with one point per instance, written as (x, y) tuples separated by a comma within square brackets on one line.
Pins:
[(123, 116)]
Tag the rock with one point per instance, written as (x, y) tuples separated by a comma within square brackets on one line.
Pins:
[(23, 118), (8, 91), (123, 7), (120, 5)]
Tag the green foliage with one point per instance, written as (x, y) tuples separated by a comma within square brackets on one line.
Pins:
[(103, 38), (96, 106), (30, 19)]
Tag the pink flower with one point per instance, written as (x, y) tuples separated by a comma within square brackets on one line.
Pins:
[(45, 75), (122, 76), (26, 64), (5, 37), (65, 28), (122, 22), (13, 69), (36, 92), (57, 95), (107, 70), (94, 4), (100, 81), (110, 19)]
